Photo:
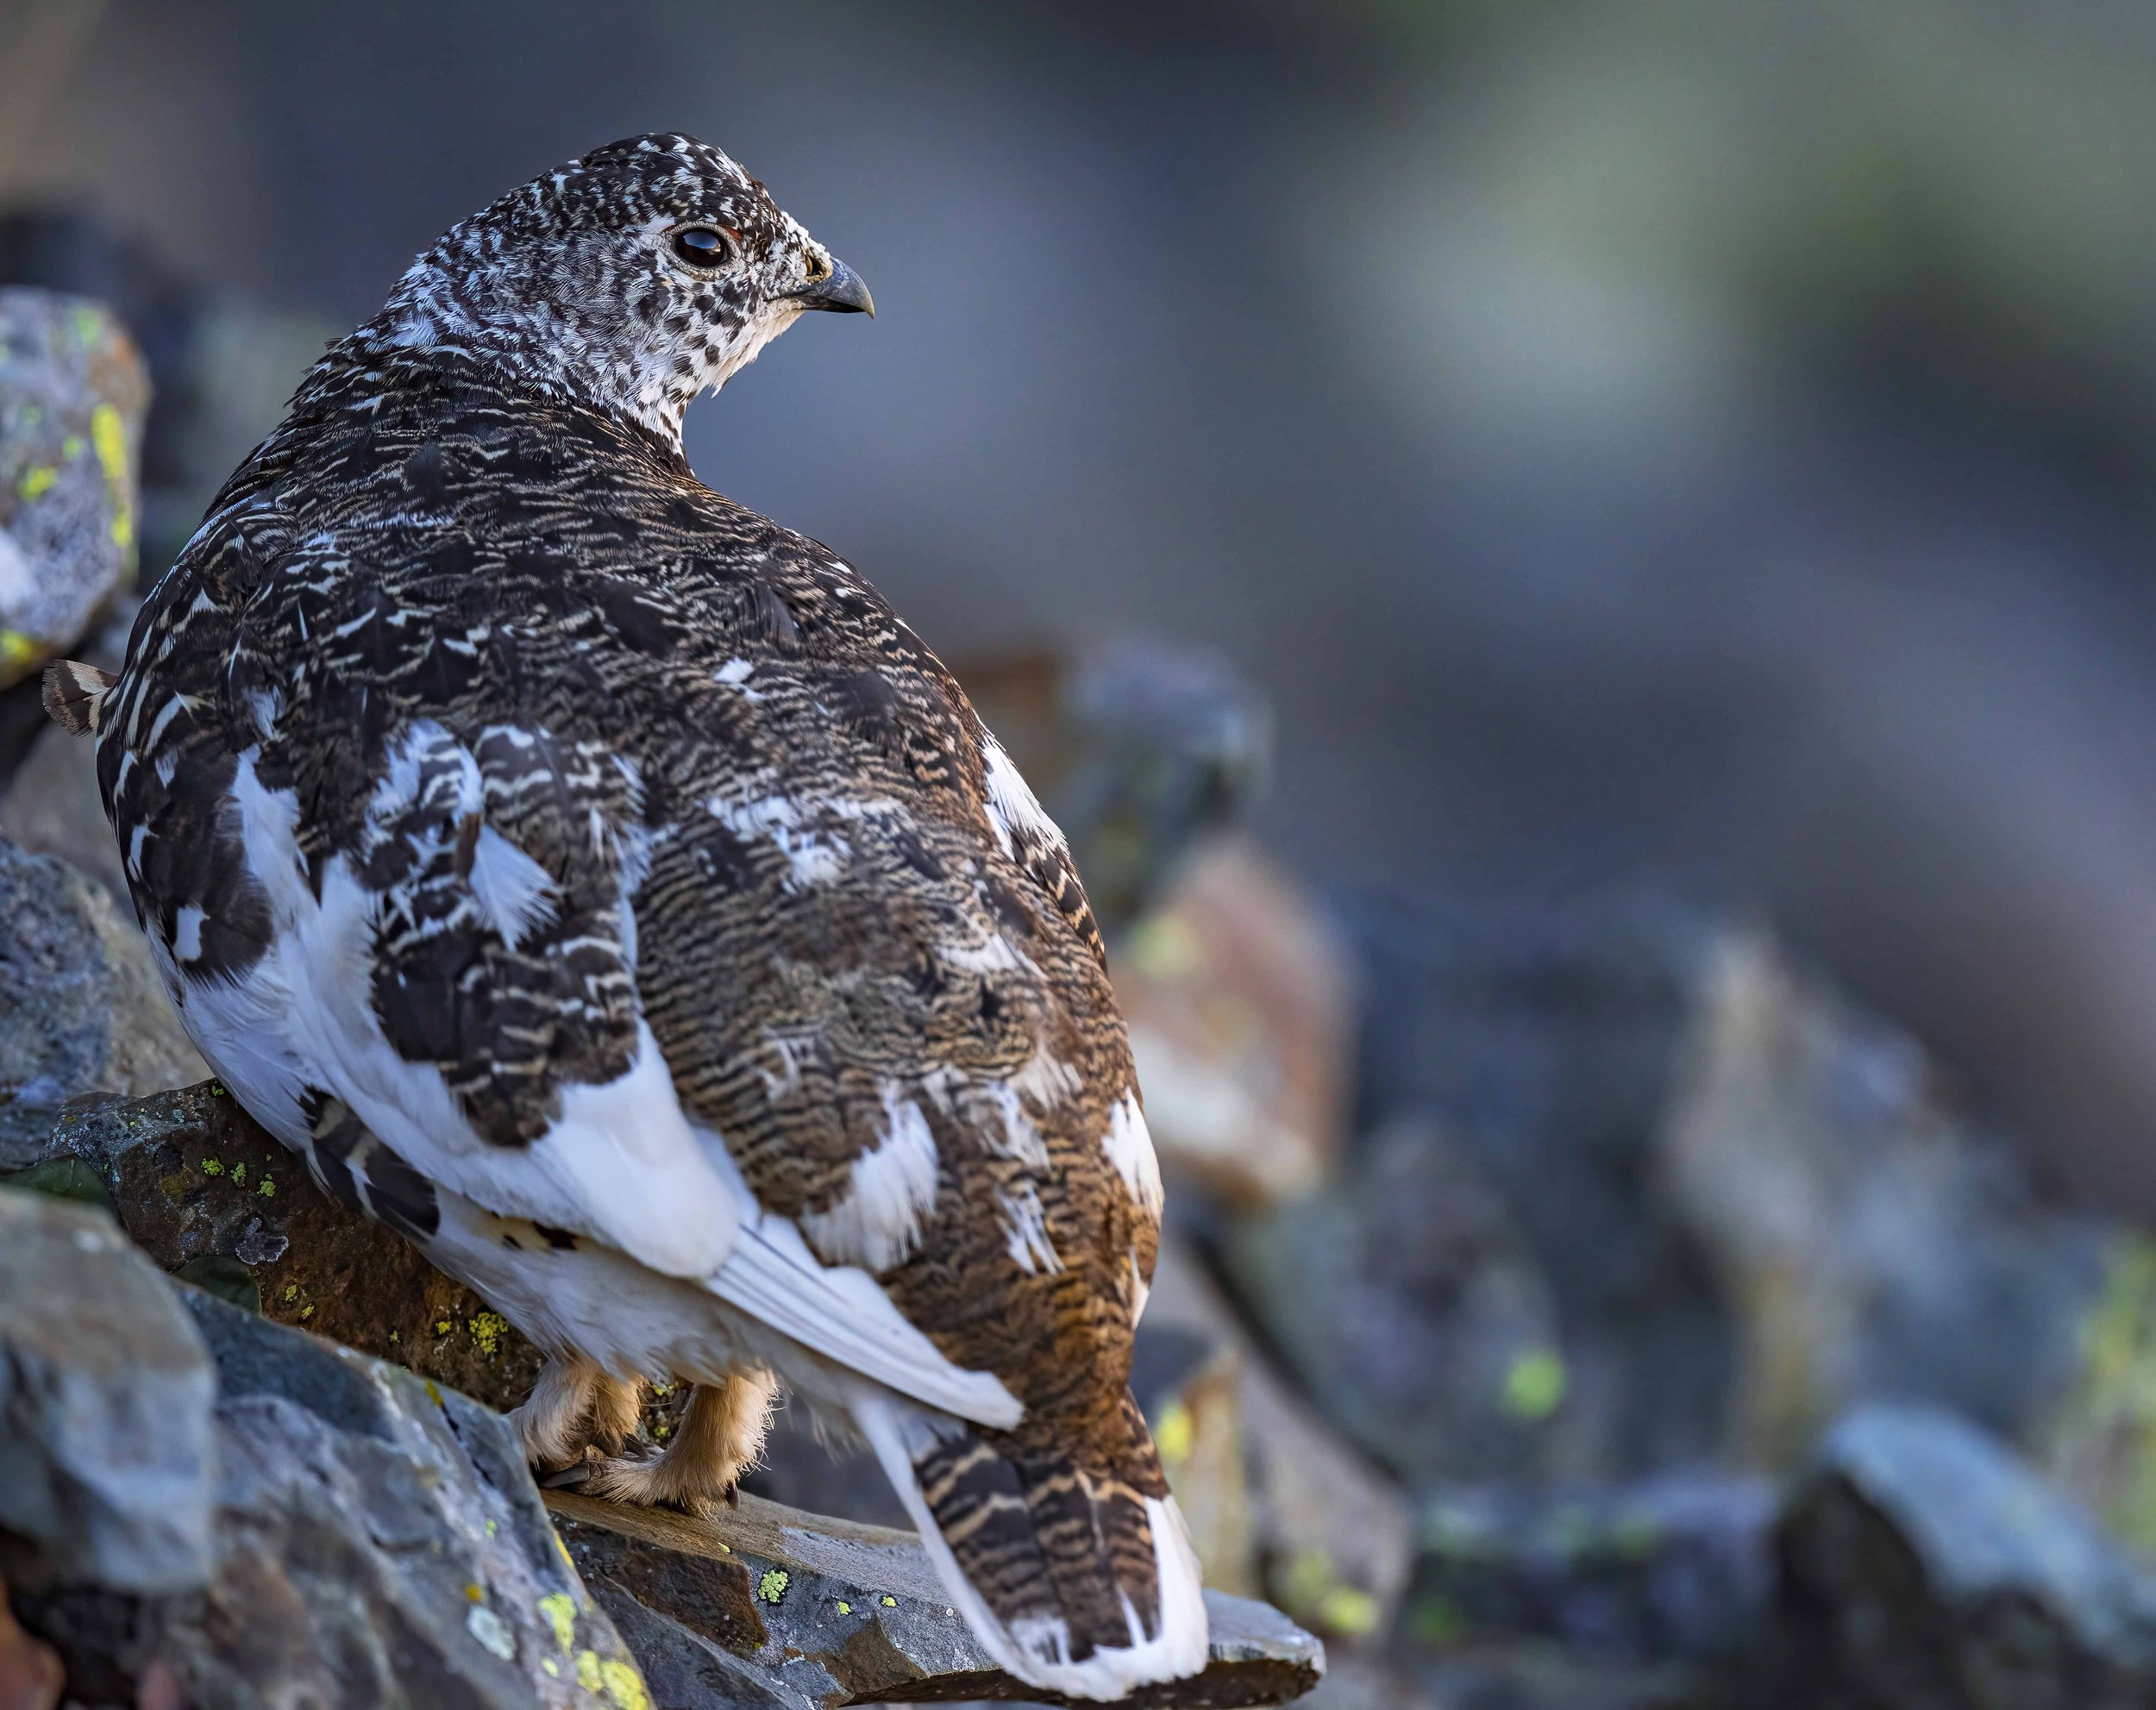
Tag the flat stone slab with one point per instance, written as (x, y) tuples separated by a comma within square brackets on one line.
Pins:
[(765, 1605)]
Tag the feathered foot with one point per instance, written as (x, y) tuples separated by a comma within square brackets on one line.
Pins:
[(574, 1407), (720, 1435)]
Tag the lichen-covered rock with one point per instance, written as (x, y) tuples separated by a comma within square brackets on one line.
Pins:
[(105, 1389), (378, 1541), (1412, 1307), (1925, 1564), (72, 397), (764, 1606), (1237, 998), (1870, 1241), (193, 1178), (1332, 1537), (1678, 1569), (81, 1007)]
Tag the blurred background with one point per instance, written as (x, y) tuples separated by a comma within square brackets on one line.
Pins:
[(1639, 518)]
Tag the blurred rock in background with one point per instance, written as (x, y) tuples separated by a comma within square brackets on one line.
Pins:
[(72, 397)]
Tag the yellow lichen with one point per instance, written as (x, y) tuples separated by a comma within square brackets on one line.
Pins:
[(291, 1291), (890, 1602), (433, 1393), (306, 1311), (473, 1595), (37, 480), (587, 1670), (551, 1666), (442, 1326), (487, 1329), (844, 1608), (623, 1685), (110, 436), (1175, 1434), (18, 651), (558, 1609)]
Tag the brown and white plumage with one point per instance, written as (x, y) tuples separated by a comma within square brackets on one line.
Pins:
[(602, 885)]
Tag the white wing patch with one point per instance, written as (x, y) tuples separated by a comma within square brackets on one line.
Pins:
[(621, 1163), (515, 894), (1129, 1145), (1014, 812), (877, 1221)]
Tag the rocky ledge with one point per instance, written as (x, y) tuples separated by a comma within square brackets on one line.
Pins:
[(314, 1522)]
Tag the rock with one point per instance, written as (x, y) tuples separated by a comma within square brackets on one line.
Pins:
[(1141, 750), (1677, 1568), (193, 1179), (1545, 1040), (52, 807), (1925, 1564), (764, 1606), (1237, 998), (378, 1541), (81, 1007), (105, 1393), (1411, 1307), (30, 1673), (1333, 1539), (1190, 1386), (1871, 1242), (73, 393)]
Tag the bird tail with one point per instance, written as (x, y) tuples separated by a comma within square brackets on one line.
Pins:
[(1079, 1578)]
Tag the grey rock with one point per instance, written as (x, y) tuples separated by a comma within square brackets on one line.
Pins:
[(1926, 1565), (378, 1541), (73, 393), (105, 1392), (764, 1606), (1872, 1242), (1333, 1536), (81, 1006), (52, 807), (1678, 1568), (1412, 1307), (1545, 1039)]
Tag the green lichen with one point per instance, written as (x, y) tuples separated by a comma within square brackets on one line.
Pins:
[(771, 1587), (267, 1188), (211, 1166), (87, 323), (1535, 1384), (239, 1176), (71, 447), (38, 479), (1438, 1622)]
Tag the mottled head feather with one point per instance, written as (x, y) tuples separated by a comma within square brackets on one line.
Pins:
[(570, 285)]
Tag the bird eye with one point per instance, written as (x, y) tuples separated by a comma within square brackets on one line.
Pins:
[(700, 246)]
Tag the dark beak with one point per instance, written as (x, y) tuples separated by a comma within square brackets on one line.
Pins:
[(840, 288)]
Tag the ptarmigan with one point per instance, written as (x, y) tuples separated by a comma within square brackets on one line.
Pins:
[(601, 885)]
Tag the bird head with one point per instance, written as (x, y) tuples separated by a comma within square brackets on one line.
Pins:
[(634, 279)]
